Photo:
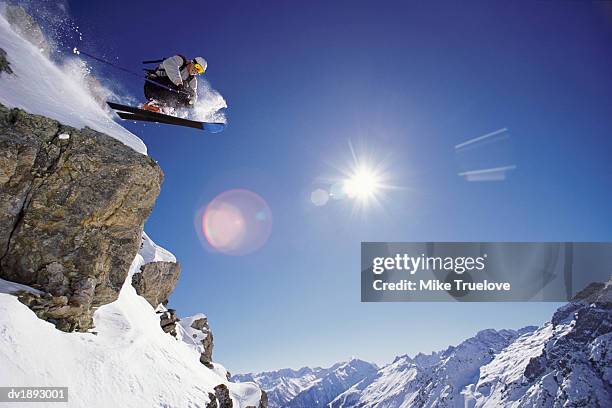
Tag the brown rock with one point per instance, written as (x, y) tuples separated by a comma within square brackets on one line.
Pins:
[(156, 281), (263, 401), (5, 65), (223, 396), (207, 340), (213, 401), (71, 212), (168, 320)]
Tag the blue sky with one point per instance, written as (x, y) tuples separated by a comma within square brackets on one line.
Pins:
[(404, 81)]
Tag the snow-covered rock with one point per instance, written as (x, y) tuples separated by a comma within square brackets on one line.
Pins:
[(128, 362), (195, 332), (158, 276)]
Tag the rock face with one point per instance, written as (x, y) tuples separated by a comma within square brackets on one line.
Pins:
[(156, 281), (5, 65), (72, 207)]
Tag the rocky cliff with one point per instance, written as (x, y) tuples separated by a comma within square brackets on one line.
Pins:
[(72, 208), (73, 202)]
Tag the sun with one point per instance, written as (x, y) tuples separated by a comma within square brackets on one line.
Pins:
[(363, 184)]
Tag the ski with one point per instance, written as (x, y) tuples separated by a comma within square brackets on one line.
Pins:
[(145, 118), (148, 116)]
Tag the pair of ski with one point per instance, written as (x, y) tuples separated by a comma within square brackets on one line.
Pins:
[(131, 113)]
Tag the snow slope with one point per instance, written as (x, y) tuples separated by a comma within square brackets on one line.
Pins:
[(434, 380), (129, 362), (41, 87), (567, 362), (507, 367)]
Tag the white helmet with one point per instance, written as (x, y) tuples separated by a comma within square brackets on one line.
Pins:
[(201, 64)]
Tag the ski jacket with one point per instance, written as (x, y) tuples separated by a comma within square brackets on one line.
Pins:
[(175, 68)]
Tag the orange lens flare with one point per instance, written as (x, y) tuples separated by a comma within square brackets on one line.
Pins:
[(237, 222)]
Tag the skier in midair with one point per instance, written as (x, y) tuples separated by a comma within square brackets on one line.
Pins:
[(173, 84)]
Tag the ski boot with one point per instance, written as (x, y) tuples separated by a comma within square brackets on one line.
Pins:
[(151, 106)]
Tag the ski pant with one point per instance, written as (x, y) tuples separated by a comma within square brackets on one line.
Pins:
[(166, 96)]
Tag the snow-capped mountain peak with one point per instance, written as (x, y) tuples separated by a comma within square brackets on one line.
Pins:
[(434, 379), (309, 387), (567, 362)]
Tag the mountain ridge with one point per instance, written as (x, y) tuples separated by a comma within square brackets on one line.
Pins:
[(308, 386), (565, 362)]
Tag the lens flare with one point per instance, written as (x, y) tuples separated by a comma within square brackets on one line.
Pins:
[(319, 197), (237, 222)]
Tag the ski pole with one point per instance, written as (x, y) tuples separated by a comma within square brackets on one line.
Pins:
[(79, 52)]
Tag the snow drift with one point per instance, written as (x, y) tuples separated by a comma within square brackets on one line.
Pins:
[(129, 361), (41, 87)]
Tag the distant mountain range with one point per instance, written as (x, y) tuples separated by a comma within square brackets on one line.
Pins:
[(565, 363), (309, 387)]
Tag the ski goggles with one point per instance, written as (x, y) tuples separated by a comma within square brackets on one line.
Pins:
[(199, 69)]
